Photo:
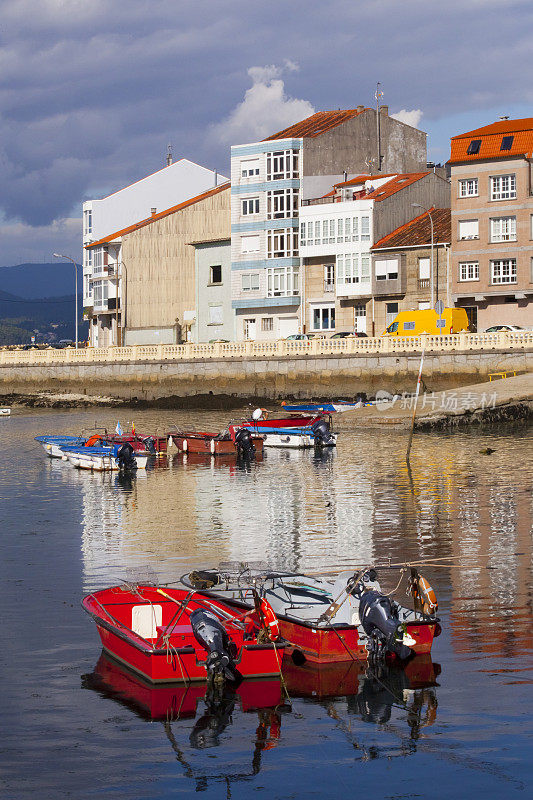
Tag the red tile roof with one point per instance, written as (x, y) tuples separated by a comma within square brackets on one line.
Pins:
[(395, 184), (155, 217), (418, 231), (315, 125), (491, 138)]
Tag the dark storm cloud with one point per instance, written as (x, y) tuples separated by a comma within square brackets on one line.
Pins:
[(90, 93)]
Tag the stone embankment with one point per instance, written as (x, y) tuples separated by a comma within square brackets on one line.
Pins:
[(499, 400)]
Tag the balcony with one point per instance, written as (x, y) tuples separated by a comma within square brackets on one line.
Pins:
[(329, 286), (389, 285), (423, 283)]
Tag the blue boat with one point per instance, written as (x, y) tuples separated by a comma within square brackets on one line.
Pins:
[(335, 407)]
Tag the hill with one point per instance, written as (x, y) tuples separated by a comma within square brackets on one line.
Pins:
[(47, 318), (35, 281)]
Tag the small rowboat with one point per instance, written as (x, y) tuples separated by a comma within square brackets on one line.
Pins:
[(336, 407), (327, 621), (53, 445), (176, 635), (213, 444), (102, 459)]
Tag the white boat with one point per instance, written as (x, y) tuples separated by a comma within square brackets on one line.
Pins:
[(5, 412), (297, 438), (52, 444), (99, 459)]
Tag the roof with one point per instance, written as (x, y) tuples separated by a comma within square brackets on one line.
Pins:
[(316, 124), (490, 136), (155, 217), (418, 231), (395, 184)]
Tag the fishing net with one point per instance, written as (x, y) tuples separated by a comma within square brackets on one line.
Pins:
[(140, 576)]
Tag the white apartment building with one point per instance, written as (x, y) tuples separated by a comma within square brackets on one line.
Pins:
[(103, 270)]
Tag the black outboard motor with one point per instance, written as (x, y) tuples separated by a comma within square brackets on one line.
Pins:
[(379, 616), (125, 458), (149, 443), (323, 437), (208, 631), (244, 443)]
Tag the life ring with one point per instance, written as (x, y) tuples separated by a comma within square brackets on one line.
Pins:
[(424, 594), (93, 440), (269, 619)]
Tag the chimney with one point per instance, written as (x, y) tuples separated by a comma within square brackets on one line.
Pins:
[(384, 110), (154, 211), (216, 178), (345, 176), (360, 108), (169, 155)]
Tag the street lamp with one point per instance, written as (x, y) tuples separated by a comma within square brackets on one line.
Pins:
[(59, 255), (417, 205)]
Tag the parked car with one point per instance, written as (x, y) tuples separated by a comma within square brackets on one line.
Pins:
[(298, 337), (349, 334), (496, 328)]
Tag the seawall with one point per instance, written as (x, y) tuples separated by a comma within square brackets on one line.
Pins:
[(269, 377)]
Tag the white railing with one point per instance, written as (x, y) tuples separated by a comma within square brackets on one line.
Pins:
[(380, 345)]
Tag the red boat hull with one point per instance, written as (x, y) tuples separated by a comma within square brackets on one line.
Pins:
[(172, 653), (208, 444)]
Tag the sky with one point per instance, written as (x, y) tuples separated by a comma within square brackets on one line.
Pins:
[(91, 93)]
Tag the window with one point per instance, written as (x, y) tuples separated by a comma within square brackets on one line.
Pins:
[(340, 230), (317, 233), (282, 164), (303, 227), (468, 187), (250, 282), (283, 242), (468, 270), (424, 269), (250, 168), (347, 230), (331, 231), (352, 268), (391, 310), (424, 305), (329, 277), (507, 142), (473, 147), (87, 222), (267, 324), (503, 187), (87, 287), (355, 229), (365, 229), (250, 244), (282, 203), (215, 273), (503, 229), (250, 206), (503, 270), (408, 326), (323, 318), (215, 315), (282, 281), (386, 269), (88, 257), (100, 293), (468, 229)]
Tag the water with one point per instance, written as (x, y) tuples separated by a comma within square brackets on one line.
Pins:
[(65, 734)]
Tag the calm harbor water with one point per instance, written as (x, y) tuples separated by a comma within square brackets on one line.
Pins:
[(460, 727)]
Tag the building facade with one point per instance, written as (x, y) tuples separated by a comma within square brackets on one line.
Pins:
[(271, 179), (492, 223), (406, 275), (337, 232), (214, 319), (157, 266), (102, 272)]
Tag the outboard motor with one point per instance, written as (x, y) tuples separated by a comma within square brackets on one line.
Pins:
[(149, 443), (244, 443), (125, 458), (379, 617), (323, 437), (208, 632)]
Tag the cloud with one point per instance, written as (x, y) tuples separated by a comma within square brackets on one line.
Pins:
[(265, 109), (409, 117), (22, 243)]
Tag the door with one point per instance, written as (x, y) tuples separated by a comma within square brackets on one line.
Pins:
[(359, 318), (287, 326), (249, 329)]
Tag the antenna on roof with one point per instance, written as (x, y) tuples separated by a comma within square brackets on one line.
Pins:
[(169, 154), (377, 95)]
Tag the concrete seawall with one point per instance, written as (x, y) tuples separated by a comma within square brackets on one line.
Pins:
[(272, 377)]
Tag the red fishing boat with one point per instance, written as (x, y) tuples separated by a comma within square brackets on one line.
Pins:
[(178, 635), (235, 441)]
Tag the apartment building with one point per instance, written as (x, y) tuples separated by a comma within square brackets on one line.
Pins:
[(410, 267), (269, 182), (157, 267), (492, 223), (337, 232), (103, 219)]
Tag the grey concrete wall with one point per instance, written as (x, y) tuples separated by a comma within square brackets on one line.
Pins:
[(396, 210), (304, 376), (209, 294)]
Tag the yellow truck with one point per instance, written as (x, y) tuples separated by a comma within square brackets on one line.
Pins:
[(415, 323)]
